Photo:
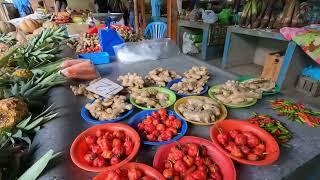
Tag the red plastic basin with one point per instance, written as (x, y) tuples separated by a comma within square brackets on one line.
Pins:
[(272, 147), (79, 147), (147, 170), (224, 162)]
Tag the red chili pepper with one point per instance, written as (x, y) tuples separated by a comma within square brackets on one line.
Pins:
[(304, 117)]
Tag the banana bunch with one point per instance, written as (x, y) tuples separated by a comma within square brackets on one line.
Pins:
[(252, 12)]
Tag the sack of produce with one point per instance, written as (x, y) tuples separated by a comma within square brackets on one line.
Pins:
[(208, 16), (74, 69)]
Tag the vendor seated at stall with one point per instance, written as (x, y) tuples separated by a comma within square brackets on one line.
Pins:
[(60, 5)]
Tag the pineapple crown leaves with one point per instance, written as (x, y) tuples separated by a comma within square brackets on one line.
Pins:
[(7, 39), (42, 49), (23, 130), (34, 88)]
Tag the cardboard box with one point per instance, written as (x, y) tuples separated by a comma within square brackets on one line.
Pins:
[(272, 66)]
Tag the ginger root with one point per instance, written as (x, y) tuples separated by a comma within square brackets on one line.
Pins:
[(108, 109), (193, 81), (202, 109), (259, 85), (161, 76), (131, 82), (150, 98), (233, 93), (81, 90)]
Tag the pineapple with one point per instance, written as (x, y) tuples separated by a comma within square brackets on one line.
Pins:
[(12, 111), (23, 73)]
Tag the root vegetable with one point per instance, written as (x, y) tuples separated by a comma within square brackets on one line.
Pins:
[(81, 90), (259, 85), (193, 81), (161, 76), (203, 109), (233, 93), (131, 80), (150, 98), (108, 109)]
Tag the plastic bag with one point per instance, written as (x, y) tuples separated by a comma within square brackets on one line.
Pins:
[(188, 45), (146, 50), (109, 38), (208, 16), (225, 16)]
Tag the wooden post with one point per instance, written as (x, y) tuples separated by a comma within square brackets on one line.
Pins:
[(169, 18), (143, 15), (136, 16), (174, 20)]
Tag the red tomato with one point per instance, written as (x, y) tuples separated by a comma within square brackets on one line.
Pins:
[(176, 124), (89, 140), (148, 120), (99, 162), (104, 144), (128, 145), (171, 118), (168, 173), (253, 141), (223, 138), (89, 157), (245, 149), (151, 137), (156, 122), (168, 164), (107, 154), (95, 149), (199, 175), (236, 152), (160, 127), (118, 150), (188, 160), (165, 135), (116, 142), (162, 112), (155, 115), (140, 127), (177, 153), (231, 145), (199, 161), (173, 131), (193, 149), (240, 139), (119, 134), (99, 133), (134, 174), (252, 157), (233, 133), (108, 135), (111, 175), (115, 160), (149, 128), (180, 166)]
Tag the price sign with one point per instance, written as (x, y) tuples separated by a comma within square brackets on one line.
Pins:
[(104, 87)]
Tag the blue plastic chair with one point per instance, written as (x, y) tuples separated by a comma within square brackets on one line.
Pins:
[(156, 30)]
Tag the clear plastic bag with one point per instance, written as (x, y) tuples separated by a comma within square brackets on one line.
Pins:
[(146, 50)]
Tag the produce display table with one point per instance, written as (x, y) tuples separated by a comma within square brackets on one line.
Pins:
[(59, 133), (212, 37)]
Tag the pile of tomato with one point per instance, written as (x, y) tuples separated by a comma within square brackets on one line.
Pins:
[(107, 148), (131, 174), (159, 126), (190, 162), (243, 145)]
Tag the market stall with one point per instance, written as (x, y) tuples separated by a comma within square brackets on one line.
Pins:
[(98, 101)]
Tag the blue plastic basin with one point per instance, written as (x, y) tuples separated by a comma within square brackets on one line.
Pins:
[(139, 117), (97, 57)]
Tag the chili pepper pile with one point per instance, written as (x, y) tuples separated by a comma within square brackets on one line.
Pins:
[(159, 126), (107, 148), (243, 145), (190, 162), (296, 112), (130, 173), (274, 127)]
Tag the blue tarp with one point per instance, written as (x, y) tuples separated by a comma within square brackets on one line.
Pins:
[(312, 72), (23, 7)]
